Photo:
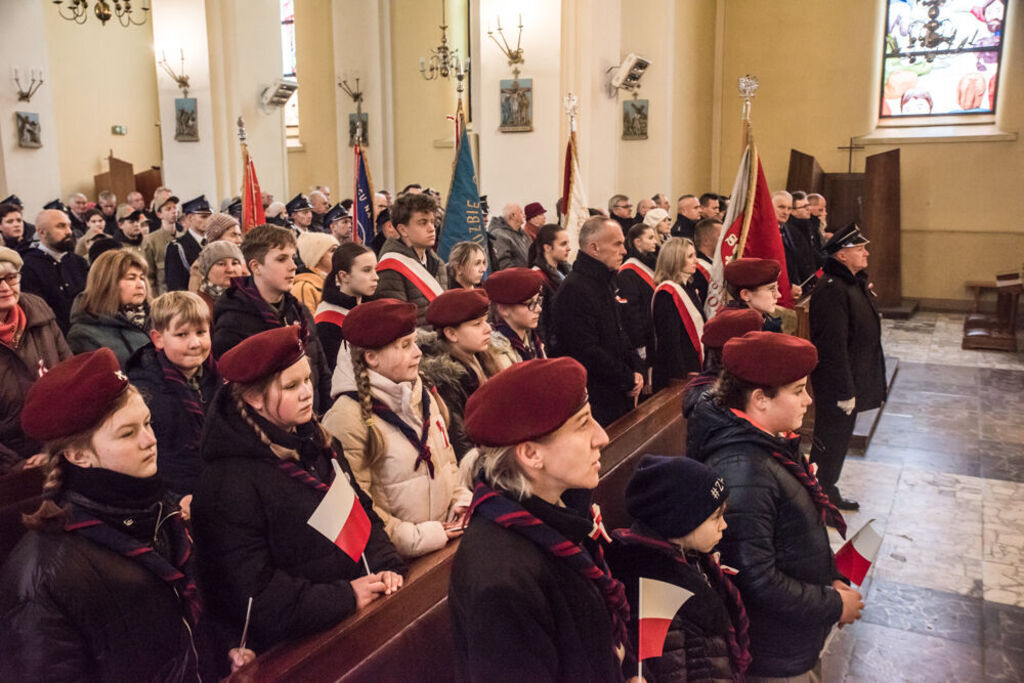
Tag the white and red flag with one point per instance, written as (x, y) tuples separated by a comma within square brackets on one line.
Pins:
[(252, 198), (856, 556), (341, 517), (751, 231), (659, 602), (574, 196)]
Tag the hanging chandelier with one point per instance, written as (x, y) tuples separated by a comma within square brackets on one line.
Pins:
[(78, 11)]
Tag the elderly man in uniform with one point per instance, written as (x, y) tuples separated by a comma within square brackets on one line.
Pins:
[(850, 376)]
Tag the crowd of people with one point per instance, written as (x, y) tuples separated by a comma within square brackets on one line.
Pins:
[(193, 391)]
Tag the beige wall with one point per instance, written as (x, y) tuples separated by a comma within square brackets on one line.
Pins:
[(962, 207), (316, 162), (101, 76)]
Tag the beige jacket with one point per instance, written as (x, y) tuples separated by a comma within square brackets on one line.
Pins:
[(154, 248), (412, 505)]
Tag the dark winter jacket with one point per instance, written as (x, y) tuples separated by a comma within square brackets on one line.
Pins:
[(683, 227), (673, 355), (90, 332), (57, 282), (178, 431), (587, 325), (241, 312), (252, 536), (74, 610), (847, 329), (511, 247), (802, 259), (636, 312), (696, 647), (775, 538), (328, 331), (394, 285), (553, 279), (41, 347), (181, 254), (520, 614)]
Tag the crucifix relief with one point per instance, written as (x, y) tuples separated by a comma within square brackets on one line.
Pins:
[(851, 147)]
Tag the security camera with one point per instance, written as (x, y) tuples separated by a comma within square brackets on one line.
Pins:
[(626, 76), (278, 94)]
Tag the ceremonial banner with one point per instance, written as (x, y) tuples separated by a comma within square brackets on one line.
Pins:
[(751, 231), (574, 197), (252, 198), (364, 222), (659, 602), (856, 556), (463, 217), (341, 518)]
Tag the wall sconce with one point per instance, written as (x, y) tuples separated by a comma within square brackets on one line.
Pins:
[(181, 79), (357, 130), (122, 9), (36, 76), (443, 61), (514, 56)]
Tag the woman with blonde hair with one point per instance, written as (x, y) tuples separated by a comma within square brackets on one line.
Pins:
[(677, 317), (467, 264), (393, 430), (113, 310)]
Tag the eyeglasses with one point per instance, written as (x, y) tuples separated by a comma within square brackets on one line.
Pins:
[(801, 206), (623, 206), (12, 279), (534, 304)]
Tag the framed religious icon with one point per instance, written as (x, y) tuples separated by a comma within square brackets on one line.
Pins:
[(186, 122), (364, 136), (634, 119), (516, 105), (28, 129)]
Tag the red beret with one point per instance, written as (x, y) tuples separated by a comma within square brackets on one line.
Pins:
[(534, 209), (262, 354), (74, 396), (749, 273), (376, 324), (457, 306), (729, 323), (526, 401), (514, 285), (769, 359)]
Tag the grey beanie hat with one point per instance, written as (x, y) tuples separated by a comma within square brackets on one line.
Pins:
[(215, 251), (8, 255)]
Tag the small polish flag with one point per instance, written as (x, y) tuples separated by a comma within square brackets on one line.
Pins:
[(341, 518), (854, 559), (659, 602)]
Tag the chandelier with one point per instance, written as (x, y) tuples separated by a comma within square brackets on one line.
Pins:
[(78, 11), (443, 60)]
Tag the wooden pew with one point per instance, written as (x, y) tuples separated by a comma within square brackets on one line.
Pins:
[(407, 636)]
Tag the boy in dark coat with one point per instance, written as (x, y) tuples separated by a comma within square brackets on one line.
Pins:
[(263, 301)]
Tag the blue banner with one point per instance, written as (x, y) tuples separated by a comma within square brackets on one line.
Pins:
[(362, 205), (463, 217)]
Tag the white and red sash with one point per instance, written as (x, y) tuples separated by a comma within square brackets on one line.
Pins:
[(641, 269), (693, 321), (329, 313), (413, 271), (705, 268)]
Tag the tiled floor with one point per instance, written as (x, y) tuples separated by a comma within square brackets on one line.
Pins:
[(944, 479)]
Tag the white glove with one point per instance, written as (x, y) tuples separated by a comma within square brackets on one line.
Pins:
[(848, 405)]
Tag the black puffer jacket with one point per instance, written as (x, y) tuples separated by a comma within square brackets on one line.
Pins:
[(252, 537), (775, 538), (696, 647)]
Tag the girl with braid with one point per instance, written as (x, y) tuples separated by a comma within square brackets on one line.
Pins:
[(777, 515), (103, 586), (269, 465), (394, 431)]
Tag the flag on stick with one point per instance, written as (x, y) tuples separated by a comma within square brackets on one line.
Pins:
[(252, 198), (463, 217), (341, 517), (574, 196), (857, 555), (659, 602), (364, 220)]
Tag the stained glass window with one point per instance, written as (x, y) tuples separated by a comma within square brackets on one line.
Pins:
[(291, 108), (941, 57)]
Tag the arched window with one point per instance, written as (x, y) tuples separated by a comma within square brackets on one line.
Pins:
[(291, 108), (941, 58)]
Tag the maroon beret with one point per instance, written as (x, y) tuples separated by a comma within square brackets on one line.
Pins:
[(262, 354), (457, 306), (526, 401), (74, 396), (376, 324), (769, 359), (534, 209), (729, 323), (749, 273), (514, 285)]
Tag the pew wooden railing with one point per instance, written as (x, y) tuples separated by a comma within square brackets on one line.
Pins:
[(407, 636)]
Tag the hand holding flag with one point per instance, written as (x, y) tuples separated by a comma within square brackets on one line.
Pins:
[(857, 555)]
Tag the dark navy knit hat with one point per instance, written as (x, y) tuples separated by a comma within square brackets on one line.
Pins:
[(674, 495)]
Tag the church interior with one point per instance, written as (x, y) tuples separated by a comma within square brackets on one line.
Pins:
[(942, 472)]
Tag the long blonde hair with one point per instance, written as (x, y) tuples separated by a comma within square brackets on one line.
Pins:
[(375, 444), (671, 260), (102, 295)]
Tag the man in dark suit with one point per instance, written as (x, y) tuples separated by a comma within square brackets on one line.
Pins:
[(182, 252), (53, 270), (850, 376)]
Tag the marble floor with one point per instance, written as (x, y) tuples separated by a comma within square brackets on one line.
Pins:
[(943, 477)]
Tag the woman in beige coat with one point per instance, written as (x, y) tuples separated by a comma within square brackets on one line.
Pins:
[(393, 431)]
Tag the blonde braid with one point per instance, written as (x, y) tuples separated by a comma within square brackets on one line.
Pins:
[(280, 452), (375, 447), (50, 515)]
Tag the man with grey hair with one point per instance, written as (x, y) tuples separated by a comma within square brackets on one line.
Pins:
[(106, 202), (77, 204), (511, 244), (642, 207), (52, 270), (819, 216), (135, 200), (321, 205), (620, 209), (587, 322), (380, 202), (660, 201)]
